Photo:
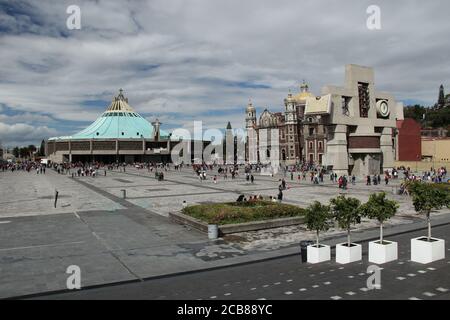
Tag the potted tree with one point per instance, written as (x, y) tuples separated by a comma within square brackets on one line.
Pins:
[(382, 209), (317, 218), (347, 212), (427, 197)]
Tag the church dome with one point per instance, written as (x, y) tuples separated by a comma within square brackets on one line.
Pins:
[(304, 93), (119, 121), (250, 107)]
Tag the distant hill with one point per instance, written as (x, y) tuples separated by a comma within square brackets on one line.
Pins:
[(434, 117)]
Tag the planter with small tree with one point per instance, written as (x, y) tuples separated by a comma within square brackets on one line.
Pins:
[(317, 217), (381, 209), (346, 211), (427, 197)]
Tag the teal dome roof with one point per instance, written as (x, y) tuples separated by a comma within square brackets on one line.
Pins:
[(119, 121)]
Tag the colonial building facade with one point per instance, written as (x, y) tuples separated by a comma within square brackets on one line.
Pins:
[(301, 138), (349, 129)]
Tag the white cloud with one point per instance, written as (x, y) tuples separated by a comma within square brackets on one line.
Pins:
[(26, 117), (23, 134)]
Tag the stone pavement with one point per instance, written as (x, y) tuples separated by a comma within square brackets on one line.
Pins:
[(287, 278), (113, 239)]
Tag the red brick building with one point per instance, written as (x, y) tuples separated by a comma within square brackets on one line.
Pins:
[(408, 140)]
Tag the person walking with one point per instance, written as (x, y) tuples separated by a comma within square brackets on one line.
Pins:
[(280, 195), (252, 179), (344, 183)]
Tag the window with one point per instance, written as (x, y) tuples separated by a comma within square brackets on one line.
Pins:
[(311, 131), (364, 99), (123, 133), (311, 145), (345, 105), (320, 145), (97, 133), (137, 133)]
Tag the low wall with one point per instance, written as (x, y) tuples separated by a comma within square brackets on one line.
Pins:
[(235, 228), (421, 166)]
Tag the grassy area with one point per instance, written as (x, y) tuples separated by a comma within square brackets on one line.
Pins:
[(234, 212)]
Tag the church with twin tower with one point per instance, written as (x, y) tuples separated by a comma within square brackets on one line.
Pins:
[(349, 129)]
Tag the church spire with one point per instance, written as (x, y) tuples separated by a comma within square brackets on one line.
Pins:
[(441, 99)]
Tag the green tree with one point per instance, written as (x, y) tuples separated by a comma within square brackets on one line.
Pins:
[(24, 152), (427, 197), (415, 112), (318, 218), (347, 212), (380, 208), (16, 152), (42, 149)]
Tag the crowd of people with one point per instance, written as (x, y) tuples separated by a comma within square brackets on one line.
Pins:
[(301, 172), (27, 166)]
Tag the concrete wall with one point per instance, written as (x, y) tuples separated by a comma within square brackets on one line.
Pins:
[(436, 149), (420, 166)]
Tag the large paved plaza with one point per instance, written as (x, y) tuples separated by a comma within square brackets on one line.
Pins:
[(114, 239)]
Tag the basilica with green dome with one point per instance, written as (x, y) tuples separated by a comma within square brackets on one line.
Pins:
[(118, 135)]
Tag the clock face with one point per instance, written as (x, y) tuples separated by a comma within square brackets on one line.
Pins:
[(383, 108)]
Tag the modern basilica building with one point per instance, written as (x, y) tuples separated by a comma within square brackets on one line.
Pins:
[(119, 135)]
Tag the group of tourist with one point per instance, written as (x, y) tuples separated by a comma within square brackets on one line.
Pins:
[(27, 166)]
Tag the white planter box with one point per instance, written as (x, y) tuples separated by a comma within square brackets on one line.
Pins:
[(382, 253), (317, 255), (346, 254), (423, 251)]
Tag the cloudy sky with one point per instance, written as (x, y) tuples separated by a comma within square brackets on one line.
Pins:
[(203, 59)]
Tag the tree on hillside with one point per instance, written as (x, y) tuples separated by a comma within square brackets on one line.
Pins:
[(415, 112)]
